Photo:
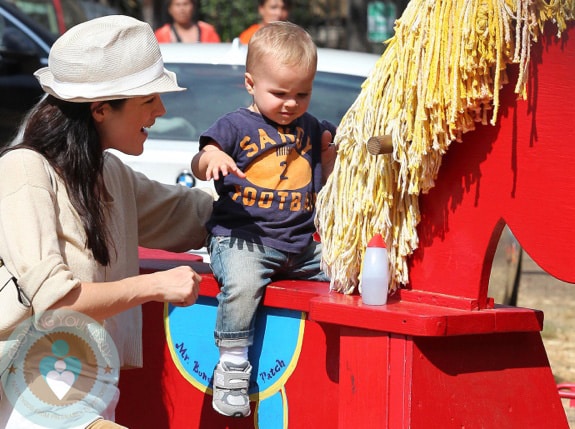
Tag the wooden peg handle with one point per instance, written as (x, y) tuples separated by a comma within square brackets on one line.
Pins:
[(379, 145)]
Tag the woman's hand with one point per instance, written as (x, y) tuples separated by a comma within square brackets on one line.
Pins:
[(179, 286)]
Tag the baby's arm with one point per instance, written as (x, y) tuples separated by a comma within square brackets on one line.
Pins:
[(328, 155), (209, 162)]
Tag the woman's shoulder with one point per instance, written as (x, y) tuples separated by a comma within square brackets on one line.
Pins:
[(163, 28), (163, 34), (121, 177), (114, 165), (25, 166), (208, 32), (21, 158), (22, 152), (247, 34), (252, 28)]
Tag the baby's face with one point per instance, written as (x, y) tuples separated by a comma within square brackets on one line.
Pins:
[(281, 93)]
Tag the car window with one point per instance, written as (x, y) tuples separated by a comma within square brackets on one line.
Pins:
[(20, 57), (333, 94), (14, 42), (55, 15), (24, 48), (42, 12), (214, 90)]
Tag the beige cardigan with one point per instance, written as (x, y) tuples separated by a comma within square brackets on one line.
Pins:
[(42, 240)]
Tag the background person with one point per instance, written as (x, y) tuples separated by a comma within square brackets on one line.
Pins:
[(268, 161), (269, 11), (184, 27), (72, 214)]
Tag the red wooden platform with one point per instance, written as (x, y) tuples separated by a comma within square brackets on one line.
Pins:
[(439, 354)]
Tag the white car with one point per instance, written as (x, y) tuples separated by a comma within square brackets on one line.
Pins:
[(214, 77)]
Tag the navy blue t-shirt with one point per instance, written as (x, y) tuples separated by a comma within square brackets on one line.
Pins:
[(274, 205)]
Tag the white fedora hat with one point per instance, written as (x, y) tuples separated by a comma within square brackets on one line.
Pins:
[(106, 58)]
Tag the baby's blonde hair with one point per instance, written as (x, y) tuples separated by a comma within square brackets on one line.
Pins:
[(284, 42)]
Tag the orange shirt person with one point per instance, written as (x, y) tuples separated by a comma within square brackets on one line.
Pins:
[(269, 10), (184, 27)]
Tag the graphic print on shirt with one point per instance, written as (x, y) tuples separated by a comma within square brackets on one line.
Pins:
[(280, 172)]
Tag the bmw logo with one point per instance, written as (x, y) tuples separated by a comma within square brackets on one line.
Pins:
[(185, 178)]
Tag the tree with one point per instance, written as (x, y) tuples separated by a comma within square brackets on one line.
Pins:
[(232, 17), (229, 17)]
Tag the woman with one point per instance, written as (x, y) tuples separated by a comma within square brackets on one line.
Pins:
[(72, 216), (184, 28), (269, 11)]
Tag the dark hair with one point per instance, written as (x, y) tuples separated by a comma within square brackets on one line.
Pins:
[(64, 133), (287, 3)]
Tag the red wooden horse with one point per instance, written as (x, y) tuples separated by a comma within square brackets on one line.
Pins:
[(518, 172), (439, 354)]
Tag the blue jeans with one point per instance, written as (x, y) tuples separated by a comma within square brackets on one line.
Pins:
[(243, 270)]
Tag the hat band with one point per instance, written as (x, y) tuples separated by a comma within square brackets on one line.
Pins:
[(116, 86)]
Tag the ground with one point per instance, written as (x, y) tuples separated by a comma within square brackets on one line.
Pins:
[(557, 301)]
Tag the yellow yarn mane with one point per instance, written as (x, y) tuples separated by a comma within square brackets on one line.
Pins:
[(439, 75)]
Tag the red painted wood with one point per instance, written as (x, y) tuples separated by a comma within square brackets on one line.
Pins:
[(357, 389), (141, 401), (567, 390), (419, 382), (360, 375), (420, 319), (438, 355), (399, 316), (484, 381), (518, 172), (158, 396)]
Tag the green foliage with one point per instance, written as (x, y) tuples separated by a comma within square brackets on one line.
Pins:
[(231, 17)]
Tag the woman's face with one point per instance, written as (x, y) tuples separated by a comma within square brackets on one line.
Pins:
[(181, 11), (273, 10), (125, 128)]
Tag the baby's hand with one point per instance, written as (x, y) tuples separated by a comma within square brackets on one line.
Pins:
[(327, 141), (221, 163), (328, 155)]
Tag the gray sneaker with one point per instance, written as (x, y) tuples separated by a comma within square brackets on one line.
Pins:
[(231, 382)]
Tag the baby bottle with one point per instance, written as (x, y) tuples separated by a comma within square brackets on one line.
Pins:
[(375, 272)]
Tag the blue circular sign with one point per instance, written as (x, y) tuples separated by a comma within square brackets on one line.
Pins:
[(277, 345)]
